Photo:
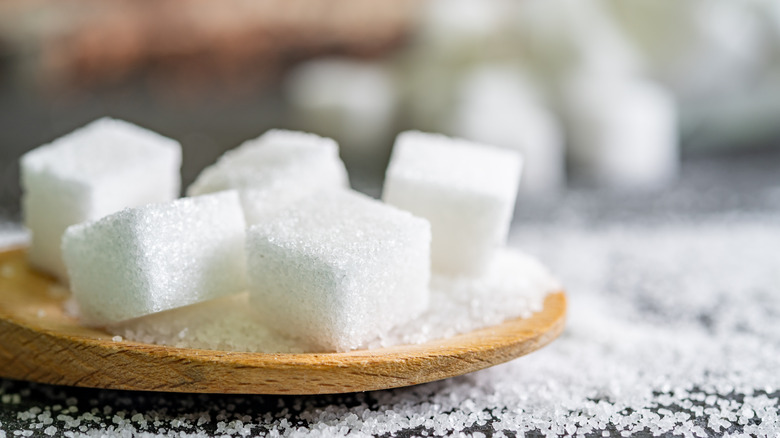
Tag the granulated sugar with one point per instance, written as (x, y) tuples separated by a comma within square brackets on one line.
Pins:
[(227, 324), (515, 286), (673, 330)]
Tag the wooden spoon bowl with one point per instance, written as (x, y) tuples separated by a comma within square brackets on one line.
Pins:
[(40, 343)]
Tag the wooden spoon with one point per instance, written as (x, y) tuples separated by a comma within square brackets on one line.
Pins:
[(39, 343)]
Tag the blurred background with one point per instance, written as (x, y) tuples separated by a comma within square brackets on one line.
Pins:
[(653, 104)]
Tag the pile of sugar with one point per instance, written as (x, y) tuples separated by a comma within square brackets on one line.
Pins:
[(516, 285), (674, 330)]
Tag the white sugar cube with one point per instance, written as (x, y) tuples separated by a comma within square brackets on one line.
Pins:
[(466, 190), (496, 105), (623, 131), (274, 169), (157, 257), (340, 269), (96, 170), (351, 100)]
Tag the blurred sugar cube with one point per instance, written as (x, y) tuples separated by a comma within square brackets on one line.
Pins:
[(339, 269), (157, 257), (351, 100), (701, 49), (623, 131), (466, 190), (96, 170), (274, 169), (497, 106)]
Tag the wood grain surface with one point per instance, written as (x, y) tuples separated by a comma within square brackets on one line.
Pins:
[(40, 343)]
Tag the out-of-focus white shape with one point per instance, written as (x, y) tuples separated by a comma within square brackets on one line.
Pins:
[(350, 100), (497, 106), (555, 35), (623, 130), (699, 47), (13, 234), (448, 23), (770, 12), (426, 89)]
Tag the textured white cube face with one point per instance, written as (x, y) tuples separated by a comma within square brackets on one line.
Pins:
[(157, 257), (94, 171), (278, 167), (466, 190), (339, 270), (352, 100), (497, 106)]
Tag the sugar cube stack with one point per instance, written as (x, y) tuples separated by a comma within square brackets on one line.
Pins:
[(96, 170), (466, 190), (276, 168), (339, 269), (156, 257)]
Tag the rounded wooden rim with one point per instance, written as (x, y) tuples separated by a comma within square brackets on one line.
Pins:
[(39, 343)]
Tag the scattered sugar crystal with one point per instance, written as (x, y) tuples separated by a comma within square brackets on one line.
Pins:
[(276, 168), (339, 269), (157, 257), (515, 285), (117, 339), (94, 171), (204, 326), (466, 190)]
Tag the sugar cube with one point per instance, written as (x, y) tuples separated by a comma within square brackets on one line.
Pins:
[(466, 190), (96, 170), (277, 167), (496, 105), (157, 257), (351, 100), (339, 269), (624, 131)]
